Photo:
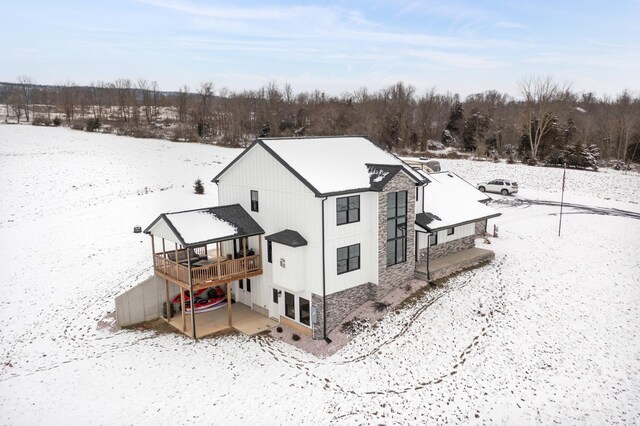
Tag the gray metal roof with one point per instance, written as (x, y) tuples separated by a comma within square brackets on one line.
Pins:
[(227, 223), (287, 237)]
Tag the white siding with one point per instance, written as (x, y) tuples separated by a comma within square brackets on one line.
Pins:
[(284, 203), (289, 268), (364, 232), (459, 232)]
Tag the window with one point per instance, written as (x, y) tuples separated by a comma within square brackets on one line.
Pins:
[(269, 252), (254, 201), (289, 306), (433, 239), (248, 285), (304, 311), (348, 258), (241, 284), (396, 227), (450, 231), (275, 296), (348, 209)]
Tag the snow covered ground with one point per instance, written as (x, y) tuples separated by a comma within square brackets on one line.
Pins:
[(548, 332)]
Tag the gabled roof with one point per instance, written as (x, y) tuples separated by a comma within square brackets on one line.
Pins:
[(448, 202), (287, 237), (192, 228), (331, 165)]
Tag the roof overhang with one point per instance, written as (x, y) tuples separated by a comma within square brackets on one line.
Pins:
[(287, 237)]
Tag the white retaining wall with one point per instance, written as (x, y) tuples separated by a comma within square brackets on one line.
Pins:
[(143, 302)]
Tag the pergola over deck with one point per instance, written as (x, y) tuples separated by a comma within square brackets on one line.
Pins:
[(188, 263)]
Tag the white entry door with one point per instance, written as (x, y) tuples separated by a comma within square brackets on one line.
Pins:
[(243, 291)]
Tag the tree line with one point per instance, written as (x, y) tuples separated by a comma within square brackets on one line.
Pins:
[(544, 122)]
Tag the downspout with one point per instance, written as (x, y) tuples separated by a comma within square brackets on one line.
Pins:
[(324, 284)]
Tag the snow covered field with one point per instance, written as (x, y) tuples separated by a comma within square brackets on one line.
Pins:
[(549, 332)]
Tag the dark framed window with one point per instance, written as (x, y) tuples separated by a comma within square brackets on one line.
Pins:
[(254, 201), (289, 306), (269, 252), (348, 258), (275, 296), (396, 227), (433, 239), (241, 284), (450, 231), (248, 285), (347, 209), (304, 311)]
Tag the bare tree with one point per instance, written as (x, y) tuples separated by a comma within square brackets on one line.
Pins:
[(68, 98), (540, 94), (25, 84), (182, 104)]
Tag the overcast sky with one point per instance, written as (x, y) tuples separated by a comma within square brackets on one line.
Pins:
[(460, 46)]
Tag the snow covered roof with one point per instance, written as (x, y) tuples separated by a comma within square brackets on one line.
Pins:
[(333, 165), (287, 237), (204, 226), (448, 203), (456, 183)]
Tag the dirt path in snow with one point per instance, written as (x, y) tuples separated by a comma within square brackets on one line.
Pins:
[(582, 209)]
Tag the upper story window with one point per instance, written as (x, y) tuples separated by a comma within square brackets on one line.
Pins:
[(450, 231), (396, 227), (254, 201), (348, 209), (348, 258)]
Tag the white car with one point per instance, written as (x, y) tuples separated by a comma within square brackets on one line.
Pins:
[(500, 186)]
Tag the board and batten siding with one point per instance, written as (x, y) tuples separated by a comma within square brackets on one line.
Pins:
[(459, 232), (284, 202), (363, 232)]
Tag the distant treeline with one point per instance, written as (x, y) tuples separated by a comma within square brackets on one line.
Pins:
[(542, 123)]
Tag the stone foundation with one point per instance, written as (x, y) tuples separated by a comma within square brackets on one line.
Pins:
[(339, 305), (445, 249)]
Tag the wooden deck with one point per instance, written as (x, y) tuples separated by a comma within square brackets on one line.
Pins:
[(244, 320), (209, 273)]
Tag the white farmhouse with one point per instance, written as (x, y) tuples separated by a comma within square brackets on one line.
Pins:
[(308, 230)]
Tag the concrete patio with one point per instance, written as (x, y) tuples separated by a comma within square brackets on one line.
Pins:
[(439, 268)]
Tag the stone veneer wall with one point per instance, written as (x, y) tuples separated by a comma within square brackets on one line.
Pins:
[(445, 249), (390, 277), (481, 227), (339, 305)]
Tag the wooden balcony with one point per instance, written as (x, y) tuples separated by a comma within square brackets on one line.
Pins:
[(206, 273)]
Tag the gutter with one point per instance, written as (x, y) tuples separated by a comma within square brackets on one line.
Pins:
[(324, 283)]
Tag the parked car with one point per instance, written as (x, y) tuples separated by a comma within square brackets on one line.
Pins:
[(500, 186)]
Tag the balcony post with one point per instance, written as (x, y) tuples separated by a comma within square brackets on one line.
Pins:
[(218, 247), (153, 251), (164, 257), (229, 303), (192, 300), (244, 253)]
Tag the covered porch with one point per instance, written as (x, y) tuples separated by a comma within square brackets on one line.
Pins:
[(199, 254)]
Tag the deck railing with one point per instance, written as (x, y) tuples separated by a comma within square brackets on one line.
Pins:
[(215, 271)]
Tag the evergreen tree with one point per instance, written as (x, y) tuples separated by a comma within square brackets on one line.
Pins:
[(455, 123), (198, 188)]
